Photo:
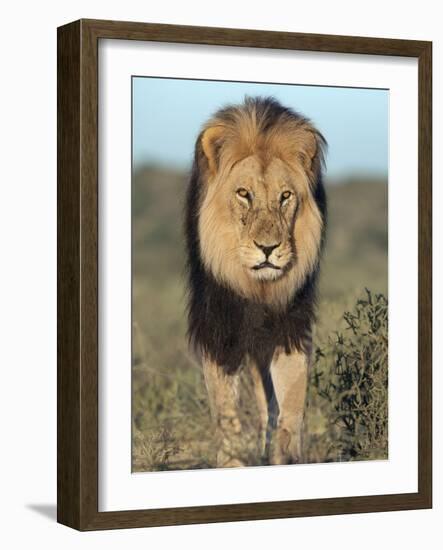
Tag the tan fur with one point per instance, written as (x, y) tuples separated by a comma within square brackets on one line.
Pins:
[(289, 374), (262, 405), (223, 401), (241, 155)]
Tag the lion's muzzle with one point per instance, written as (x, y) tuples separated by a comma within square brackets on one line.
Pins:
[(267, 251)]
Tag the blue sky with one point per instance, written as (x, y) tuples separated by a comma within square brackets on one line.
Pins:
[(168, 115)]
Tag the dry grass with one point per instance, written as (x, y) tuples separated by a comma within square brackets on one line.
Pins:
[(171, 422)]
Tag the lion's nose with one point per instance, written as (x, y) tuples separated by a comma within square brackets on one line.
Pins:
[(267, 248)]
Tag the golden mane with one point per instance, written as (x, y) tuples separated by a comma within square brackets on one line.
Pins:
[(276, 138)]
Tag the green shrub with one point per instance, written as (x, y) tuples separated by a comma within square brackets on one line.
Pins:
[(349, 387)]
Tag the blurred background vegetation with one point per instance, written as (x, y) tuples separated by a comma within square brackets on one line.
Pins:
[(346, 416)]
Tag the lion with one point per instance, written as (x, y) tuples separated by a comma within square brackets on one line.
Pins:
[(255, 226)]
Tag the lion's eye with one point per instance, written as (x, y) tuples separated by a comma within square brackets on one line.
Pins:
[(285, 196), (243, 193)]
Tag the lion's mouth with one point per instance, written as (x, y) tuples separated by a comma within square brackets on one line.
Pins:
[(264, 265)]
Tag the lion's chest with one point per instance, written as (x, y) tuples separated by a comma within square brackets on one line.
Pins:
[(262, 329)]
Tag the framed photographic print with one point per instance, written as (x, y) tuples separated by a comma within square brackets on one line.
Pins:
[(244, 274)]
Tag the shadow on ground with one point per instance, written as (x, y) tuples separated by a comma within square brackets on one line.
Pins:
[(48, 511)]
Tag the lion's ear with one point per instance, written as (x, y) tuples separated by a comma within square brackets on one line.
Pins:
[(310, 148), (211, 142)]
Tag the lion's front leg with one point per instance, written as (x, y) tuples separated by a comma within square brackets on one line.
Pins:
[(261, 400), (223, 396), (289, 374)]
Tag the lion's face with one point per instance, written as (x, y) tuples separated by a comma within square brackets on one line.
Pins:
[(259, 225), (261, 205)]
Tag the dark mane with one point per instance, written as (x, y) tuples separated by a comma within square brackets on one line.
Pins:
[(222, 324)]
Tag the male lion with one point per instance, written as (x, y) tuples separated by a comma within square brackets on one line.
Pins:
[(255, 223)]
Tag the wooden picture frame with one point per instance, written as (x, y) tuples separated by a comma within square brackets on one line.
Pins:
[(78, 274)]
